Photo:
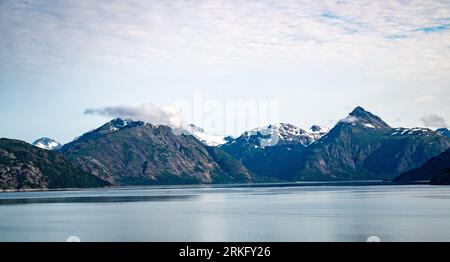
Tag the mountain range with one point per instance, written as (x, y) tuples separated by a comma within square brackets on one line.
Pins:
[(360, 146), (126, 152)]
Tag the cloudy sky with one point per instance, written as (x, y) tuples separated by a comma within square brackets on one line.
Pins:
[(68, 66)]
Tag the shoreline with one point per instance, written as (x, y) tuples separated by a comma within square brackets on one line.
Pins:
[(238, 185)]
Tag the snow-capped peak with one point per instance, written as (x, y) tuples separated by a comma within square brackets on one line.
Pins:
[(274, 134), (46, 143), (364, 118), (207, 139)]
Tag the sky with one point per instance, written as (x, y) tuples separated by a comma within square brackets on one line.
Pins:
[(67, 67)]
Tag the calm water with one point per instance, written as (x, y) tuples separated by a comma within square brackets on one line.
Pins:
[(289, 213)]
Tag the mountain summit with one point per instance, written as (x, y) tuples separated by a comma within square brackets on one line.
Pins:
[(46, 143), (110, 127), (359, 116)]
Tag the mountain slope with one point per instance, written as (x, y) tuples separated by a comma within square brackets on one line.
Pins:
[(362, 146), (443, 131), (432, 167), (142, 154), (46, 143), (441, 178), (23, 166)]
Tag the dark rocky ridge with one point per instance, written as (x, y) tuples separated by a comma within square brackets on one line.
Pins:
[(441, 178), (23, 166), (430, 170), (137, 153)]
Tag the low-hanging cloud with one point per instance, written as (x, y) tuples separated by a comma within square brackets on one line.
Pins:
[(349, 120), (434, 120), (146, 112)]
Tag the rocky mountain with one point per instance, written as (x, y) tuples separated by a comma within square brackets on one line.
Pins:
[(270, 151), (125, 152), (207, 139), (23, 166), (46, 143), (363, 146), (433, 167), (276, 134), (360, 146), (443, 131)]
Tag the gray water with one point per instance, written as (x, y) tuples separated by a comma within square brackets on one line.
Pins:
[(289, 213)]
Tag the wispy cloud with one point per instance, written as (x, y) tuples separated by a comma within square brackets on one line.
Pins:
[(433, 120), (374, 34), (147, 112)]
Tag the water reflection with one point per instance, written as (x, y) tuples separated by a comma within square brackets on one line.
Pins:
[(286, 213), (93, 199)]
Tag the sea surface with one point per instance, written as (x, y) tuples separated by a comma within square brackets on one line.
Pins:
[(285, 212)]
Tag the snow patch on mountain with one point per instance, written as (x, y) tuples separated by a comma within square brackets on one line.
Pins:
[(205, 138), (46, 143), (318, 131), (443, 131), (411, 131)]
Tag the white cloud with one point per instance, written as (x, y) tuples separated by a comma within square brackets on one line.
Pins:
[(349, 120), (147, 112), (434, 120)]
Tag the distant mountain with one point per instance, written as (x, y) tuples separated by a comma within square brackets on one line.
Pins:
[(272, 151), (443, 131), (363, 146), (429, 169), (360, 146), (276, 134), (126, 152), (362, 118), (46, 143), (207, 139), (23, 166)]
